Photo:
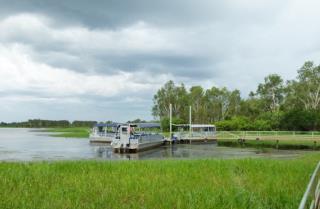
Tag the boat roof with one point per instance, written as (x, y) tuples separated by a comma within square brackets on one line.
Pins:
[(140, 125), (148, 125), (107, 124), (195, 125), (202, 126), (144, 125)]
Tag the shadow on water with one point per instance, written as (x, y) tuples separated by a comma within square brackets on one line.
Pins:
[(18, 144)]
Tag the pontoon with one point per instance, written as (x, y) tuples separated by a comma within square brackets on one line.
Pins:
[(137, 137), (103, 133), (195, 132)]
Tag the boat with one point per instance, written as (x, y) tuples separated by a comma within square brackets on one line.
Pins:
[(103, 133), (137, 137), (195, 133)]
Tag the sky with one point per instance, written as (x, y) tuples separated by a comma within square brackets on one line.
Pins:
[(105, 59)]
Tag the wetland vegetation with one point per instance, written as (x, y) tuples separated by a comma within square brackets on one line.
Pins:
[(207, 183)]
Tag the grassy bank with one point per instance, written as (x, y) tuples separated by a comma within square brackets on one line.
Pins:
[(78, 132), (276, 144), (245, 183)]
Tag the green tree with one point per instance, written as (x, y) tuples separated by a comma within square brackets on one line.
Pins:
[(304, 93), (271, 92), (196, 97), (171, 94)]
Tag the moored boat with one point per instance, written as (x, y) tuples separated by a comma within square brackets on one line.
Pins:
[(103, 133), (135, 137)]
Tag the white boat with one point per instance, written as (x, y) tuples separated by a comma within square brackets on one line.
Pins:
[(135, 138), (195, 132), (103, 133)]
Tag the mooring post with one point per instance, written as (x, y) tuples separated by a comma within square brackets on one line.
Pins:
[(190, 119), (170, 116)]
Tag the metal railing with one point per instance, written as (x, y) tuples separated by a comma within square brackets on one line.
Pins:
[(311, 197), (269, 135)]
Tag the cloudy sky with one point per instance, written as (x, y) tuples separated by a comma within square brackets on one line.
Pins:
[(104, 60)]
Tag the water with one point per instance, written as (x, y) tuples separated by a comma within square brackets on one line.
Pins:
[(18, 144)]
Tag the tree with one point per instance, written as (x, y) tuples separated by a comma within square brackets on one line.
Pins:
[(197, 102), (304, 93), (171, 94), (275, 105), (222, 103), (271, 92)]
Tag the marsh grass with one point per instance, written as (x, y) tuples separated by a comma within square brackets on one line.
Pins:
[(243, 183), (78, 132)]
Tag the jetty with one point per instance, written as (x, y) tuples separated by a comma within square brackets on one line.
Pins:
[(190, 133), (137, 137)]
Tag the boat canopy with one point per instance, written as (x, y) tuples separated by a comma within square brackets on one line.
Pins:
[(107, 124), (148, 125), (140, 125), (194, 125), (202, 126)]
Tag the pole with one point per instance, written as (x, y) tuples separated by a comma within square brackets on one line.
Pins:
[(170, 115), (190, 121)]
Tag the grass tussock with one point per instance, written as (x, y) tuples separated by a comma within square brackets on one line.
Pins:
[(243, 183)]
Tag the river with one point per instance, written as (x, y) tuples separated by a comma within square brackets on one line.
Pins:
[(19, 144)]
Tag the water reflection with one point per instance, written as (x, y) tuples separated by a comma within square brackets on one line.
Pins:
[(32, 145)]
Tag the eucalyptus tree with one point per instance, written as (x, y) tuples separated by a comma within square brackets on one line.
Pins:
[(222, 103), (304, 93), (271, 92), (251, 107), (197, 101), (170, 94)]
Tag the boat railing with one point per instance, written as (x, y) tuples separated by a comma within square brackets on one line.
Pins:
[(148, 137), (103, 134), (311, 197), (185, 134)]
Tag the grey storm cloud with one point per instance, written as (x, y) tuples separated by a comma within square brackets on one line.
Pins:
[(108, 53)]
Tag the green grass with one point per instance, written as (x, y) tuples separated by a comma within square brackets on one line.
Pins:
[(78, 132), (242, 183)]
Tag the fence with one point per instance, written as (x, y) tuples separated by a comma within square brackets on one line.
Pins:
[(311, 197), (269, 135)]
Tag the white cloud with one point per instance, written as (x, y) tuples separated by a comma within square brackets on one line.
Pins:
[(18, 72), (38, 29), (229, 43)]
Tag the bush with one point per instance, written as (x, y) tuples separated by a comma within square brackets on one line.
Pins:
[(302, 120), (165, 123), (235, 123)]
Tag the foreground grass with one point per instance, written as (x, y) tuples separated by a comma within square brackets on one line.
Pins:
[(245, 183), (78, 132)]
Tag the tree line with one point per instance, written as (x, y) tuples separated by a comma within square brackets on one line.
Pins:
[(274, 105), (39, 123)]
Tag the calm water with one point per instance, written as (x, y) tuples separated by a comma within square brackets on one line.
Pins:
[(29, 145)]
